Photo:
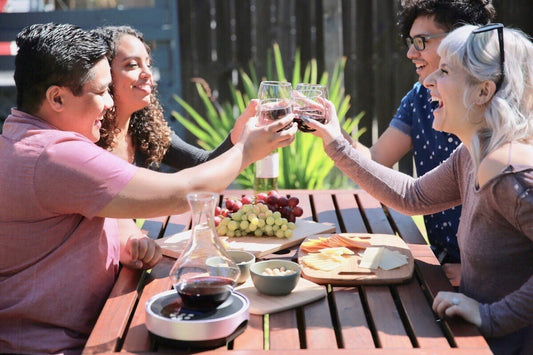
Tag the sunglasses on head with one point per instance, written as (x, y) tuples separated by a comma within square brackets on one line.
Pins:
[(499, 27), (420, 41)]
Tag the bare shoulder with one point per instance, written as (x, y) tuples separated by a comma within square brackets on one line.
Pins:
[(496, 161)]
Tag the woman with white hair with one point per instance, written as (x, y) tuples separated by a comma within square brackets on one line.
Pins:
[(483, 93)]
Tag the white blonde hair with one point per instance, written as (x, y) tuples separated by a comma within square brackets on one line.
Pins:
[(509, 114)]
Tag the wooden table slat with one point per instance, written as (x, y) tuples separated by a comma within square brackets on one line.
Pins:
[(373, 211), (252, 338), (325, 209), (389, 327), (407, 229), (427, 332), (351, 315), (319, 332), (114, 317), (350, 213), (283, 330)]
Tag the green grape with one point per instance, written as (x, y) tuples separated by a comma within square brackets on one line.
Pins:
[(233, 225), (246, 208), (270, 220), (230, 233), (238, 233), (268, 228), (237, 216), (283, 227), (280, 234), (251, 216), (222, 230), (288, 233), (258, 233), (252, 227), (291, 225), (276, 215), (254, 221), (244, 225), (261, 223)]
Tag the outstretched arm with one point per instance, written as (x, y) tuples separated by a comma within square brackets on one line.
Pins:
[(182, 155), (151, 193)]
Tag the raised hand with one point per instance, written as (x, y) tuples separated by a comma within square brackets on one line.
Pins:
[(249, 112), (328, 131), (257, 141)]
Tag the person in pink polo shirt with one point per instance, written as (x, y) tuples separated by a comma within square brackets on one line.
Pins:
[(59, 253)]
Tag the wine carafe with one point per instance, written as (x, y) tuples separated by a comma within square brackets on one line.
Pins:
[(204, 275)]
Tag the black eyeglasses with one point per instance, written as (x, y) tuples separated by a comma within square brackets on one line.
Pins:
[(420, 41), (499, 27)]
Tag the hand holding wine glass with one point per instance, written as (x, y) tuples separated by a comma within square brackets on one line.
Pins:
[(308, 104), (274, 100)]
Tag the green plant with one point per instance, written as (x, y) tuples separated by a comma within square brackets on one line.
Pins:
[(303, 164)]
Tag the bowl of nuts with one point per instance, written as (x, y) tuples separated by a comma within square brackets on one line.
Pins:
[(275, 277)]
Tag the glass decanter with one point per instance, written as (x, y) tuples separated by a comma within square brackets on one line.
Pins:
[(204, 275)]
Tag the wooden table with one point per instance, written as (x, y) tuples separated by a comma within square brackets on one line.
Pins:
[(357, 320)]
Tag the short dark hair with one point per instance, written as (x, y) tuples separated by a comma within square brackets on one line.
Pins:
[(53, 54), (448, 14)]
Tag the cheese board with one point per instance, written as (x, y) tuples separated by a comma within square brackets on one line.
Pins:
[(259, 246), (305, 292), (349, 273)]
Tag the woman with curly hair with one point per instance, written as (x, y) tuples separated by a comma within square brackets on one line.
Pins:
[(135, 129)]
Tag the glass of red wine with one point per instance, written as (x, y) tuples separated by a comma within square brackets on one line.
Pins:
[(274, 100), (308, 104)]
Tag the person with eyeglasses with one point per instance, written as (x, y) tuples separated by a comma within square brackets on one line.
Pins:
[(423, 24), (483, 93)]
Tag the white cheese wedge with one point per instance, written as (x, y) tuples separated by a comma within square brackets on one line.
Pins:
[(392, 259), (371, 257)]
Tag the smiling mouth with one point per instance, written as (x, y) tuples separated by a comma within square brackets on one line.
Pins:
[(436, 103)]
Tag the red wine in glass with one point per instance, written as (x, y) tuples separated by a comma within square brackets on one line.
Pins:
[(308, 113), (274, 113), (205, 292)]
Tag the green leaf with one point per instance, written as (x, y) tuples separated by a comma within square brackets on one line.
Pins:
[(279, 63)]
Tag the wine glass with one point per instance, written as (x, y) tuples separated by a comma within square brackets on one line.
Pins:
[(308, 103), (307, 86), (274, 100)]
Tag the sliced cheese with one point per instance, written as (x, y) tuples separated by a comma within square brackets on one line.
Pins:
[(371, 258), (336, 251), (320, 261), (392, 259)]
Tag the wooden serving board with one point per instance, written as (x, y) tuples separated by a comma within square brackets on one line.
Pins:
[(304, 292), (350, 274), (173, 245)]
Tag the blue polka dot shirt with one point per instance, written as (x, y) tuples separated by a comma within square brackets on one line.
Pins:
[(430, 148)]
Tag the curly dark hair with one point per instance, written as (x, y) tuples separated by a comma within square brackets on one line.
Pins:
[(149, 130), (449, 14)]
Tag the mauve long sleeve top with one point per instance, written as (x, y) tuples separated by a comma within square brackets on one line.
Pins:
[(495, 231)]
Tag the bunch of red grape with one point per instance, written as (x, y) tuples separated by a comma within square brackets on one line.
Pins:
[(286, 205)]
